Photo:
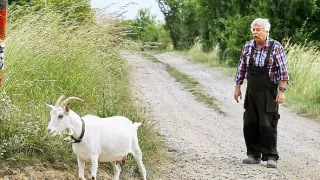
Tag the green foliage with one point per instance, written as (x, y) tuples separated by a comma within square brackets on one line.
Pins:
[(234, 37), (171, 10), (147, 27), (148, 31), (227, 23), (288, 17), (188, 23), (164, 38)]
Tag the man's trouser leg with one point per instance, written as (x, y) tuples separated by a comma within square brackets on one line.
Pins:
[(260, 127)]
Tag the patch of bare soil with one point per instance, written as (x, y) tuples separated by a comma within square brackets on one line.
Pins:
[(40, 172), (207, 145)]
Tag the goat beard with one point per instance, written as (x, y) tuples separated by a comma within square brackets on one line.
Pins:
[(69, 134), (68, 139)]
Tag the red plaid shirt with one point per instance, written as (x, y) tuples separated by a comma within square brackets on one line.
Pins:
[(277, 65)]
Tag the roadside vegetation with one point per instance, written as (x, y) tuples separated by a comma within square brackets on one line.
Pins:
[(48, 55), (304, 84), (211, 58)]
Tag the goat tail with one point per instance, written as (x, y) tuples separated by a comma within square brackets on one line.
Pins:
[(136, 125)]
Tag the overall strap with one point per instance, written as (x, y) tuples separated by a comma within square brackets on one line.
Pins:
[(251, 56), (266, 61), (268, 54)]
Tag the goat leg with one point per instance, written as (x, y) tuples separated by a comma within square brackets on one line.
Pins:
[(94, 167), (81, 165)]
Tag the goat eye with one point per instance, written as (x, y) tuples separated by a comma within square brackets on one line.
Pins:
[(60, 116)]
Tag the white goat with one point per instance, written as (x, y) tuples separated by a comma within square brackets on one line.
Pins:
[(96, 139)]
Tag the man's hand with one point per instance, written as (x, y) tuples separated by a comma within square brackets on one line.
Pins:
[(237, 93), (280, 97)]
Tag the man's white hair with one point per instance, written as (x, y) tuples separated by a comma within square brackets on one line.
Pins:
[(263, 22)]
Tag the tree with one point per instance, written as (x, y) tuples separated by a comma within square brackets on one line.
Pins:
[(147, 30), (146, 26), (227, 23), (170, 10), (294, 19)]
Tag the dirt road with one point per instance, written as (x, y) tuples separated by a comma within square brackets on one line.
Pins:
[(208, 145)]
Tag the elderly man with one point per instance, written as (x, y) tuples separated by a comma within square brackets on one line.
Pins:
[(263, 64)]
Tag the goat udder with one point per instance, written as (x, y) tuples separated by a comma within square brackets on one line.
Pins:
[(123, 160)]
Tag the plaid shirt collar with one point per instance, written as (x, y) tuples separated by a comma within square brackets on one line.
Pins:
[(252, 43)]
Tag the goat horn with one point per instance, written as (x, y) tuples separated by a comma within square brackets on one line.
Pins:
[(59, 100), (65, 102)]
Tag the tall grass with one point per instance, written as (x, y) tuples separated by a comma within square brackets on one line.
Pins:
[(304, 84), (211, 58), (46, 57)]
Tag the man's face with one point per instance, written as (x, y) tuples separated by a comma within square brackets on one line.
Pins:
[(259, 33)]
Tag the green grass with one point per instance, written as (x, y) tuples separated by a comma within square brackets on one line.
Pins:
[(149, 56), (211, 58), (303, 106), (303, 94), (46, 58), (190, 84), (304, 83)]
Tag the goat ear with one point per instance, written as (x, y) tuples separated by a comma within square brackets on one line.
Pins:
[(50, 106), (66, 109)]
